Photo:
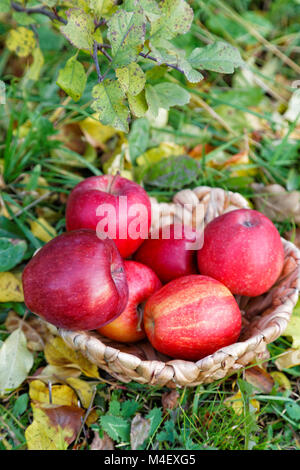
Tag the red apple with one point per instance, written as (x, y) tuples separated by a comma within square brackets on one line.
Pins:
[(191, 317), (128, 327), (76, 281), (243, 250), (115, 207), (170, 254)]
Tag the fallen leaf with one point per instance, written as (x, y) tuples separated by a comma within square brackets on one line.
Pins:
[(58, 353), (10, 288), (56, 374), (293, 328), (42, 230), (102, 443), (84, 390), (15, 361), (96, 133), (237, 404), (259, 378), (35, 341), (281, 379), (290, 358), (21, 41), (139, 431), (56, 395), (54, 427), (170, 400), (277, 203)]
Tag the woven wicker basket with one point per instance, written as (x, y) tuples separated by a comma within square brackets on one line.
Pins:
[(264, 317)]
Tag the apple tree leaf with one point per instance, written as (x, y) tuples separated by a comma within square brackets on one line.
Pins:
[(11, 253), (21, 41), (34, 71), (80, 29), (176, 18), (131, 78), (15, 361), (126, 34), (173, 172), (10, 288), (137, 104), (109, 98), (165, 95), (219, 57), (72, 78)]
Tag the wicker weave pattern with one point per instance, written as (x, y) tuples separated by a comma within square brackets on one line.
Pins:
[(264, 317)]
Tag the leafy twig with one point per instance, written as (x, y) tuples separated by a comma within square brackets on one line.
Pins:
[(42, 11)]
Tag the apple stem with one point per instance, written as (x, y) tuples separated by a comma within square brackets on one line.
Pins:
[(140, 314), (112, 182)]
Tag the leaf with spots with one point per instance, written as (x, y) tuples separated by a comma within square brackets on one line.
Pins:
[(131, 78), (21, 41), (218, 57), (80, 29), (176, 18), (109, 103), (126, 34)]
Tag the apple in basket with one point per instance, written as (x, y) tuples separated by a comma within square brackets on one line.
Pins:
[(76, 281), (243, 250), (170, 252), (191, 317), (114, 206), (142, 283)]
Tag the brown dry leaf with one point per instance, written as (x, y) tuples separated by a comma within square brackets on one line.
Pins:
[(60, 394), (200, 150), (58, 353), (259, 378), (139, 431), (277, 203), (35, 341), (104, 443), (54, 427), (293, 236), (290, 358), (170, 400)]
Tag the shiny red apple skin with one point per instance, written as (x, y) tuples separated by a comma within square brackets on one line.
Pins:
[(243, 250), (192, 317), (76, 281), (88, 195), (169, 258), (142, 283)]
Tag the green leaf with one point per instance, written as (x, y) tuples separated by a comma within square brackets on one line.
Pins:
[(5, 6), (116, 427), (293, 410), (126, 34), (173, 173), (155, 417), (131, 78), (129, 408), (2, 92), (80, 29), (109, 104), (72, 78), (12, 252), (150, 7), (15, 361), (218, 57), (138, 104), (171, 94), (176, 18), (152, 99), (138, 138)]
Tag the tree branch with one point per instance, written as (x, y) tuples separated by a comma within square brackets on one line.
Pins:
[(95, 57), (42, 11), (175, 67)]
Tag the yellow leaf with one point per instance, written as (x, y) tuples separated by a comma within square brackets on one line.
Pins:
[(95, 132), (83, 389), (290, 358), (21, 41), (10, 288), (58, 353), (164, 150), (33, 72), (42, 230), (54, 427), (237, 404), (281, 379), (60, 394), (293, 328)]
